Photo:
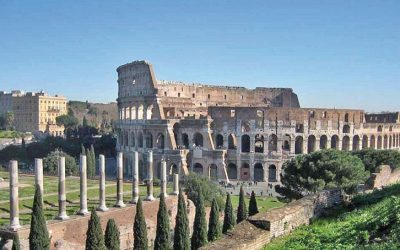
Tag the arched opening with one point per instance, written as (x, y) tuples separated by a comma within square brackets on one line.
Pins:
[(258, 172), (379, 142), (346, 129), (185, 140), (231, 142), (273, 143), (335, 142), (126, 139), (311, 144), (390, 141), (132, 139), (245, 172), (149, 140), (142, 170), (298, 146), (286, 142), (245, 127), (160, 141), (385, 142), (364, 141), (149, 112), (198, 140), (356, 142), (157, 171), (120, 138), (346, 117), (245, 143), (173, 169), (198, 168), (323, 142), (140, 140), (259, 144), (380, 128), (232, 171), (176, 130), (272, 173), (213, 172), (140, 112), (372, 142), (219, 141), (346, 143), (133, 112)]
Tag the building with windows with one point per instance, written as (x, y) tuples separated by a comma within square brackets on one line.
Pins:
[(233, 133), (6, 101)]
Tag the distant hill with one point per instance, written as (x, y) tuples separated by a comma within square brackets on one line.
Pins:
[(95, 113)]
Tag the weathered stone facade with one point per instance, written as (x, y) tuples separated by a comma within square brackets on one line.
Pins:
[(232, 132)]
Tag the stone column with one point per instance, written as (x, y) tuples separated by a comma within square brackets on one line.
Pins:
[(102, 184), (150, 196), (83, 185), (14, 199), (135, 177), (164, 178), (176, 184), (120, 181), (62, 199), (39, 175)]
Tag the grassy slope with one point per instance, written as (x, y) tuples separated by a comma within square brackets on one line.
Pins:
[(263, 203), (7, 134)]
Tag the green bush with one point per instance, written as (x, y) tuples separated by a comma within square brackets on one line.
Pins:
[(372, 158), (50, 163)]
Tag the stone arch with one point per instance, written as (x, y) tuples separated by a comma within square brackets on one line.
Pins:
[(176, 129), (390, 128), (286, 142), (335, 142), (259, 143), (380, 128), (385, 141), (390, 141), (149, 112), (323, 142), (140, 139), (311, 144), (379, 142), (258, 172), (298, 146), (185, 140), (232, 171), (356, 142), (273, 143), (364, 141), (133, 139), (133, 112), (198, 140), (126, 138), (346, 129), (245, 172), (231, 141), (213, 172), (272, 173), (140, 112), (157, 171), (245, 143), (346, 117), (372, 142), (245, 128), (160, 141), (173, 169), (120, 138), (142, 170), (346, 143), (198, 168), (219, 141), (149, 140)]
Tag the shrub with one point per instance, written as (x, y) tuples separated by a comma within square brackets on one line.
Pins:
[(50, 163)]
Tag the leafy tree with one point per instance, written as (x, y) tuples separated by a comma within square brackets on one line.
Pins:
[(112, 241), (372, 158), (50, 163), (9, 120), (16, 244), (310, 173), (181, 232), (214, 227), (68, 121), (162, 234), (199, 236), (140, 229), (85, 122), (229, 220), (38, 235), (242, 209), (253, 209), (94, 234)]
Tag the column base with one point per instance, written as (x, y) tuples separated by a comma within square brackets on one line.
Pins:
[(62, 216), (83, 212), (134, 200), (120, 204), (175, 193), (102, 208), (149, 198), (14, 226), (165, 195)]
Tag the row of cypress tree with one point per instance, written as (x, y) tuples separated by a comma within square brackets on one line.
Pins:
[(90, 160)]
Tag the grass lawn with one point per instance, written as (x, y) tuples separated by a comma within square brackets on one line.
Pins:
[(263, 203), (9, 134), (51, 198)]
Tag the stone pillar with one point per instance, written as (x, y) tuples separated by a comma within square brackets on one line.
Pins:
[(176, 184), (102, 184), (120, 181), (83, 185), (164, 178), (150, 196), (39, 175), (62, 199), (135, 177), (14, 199)]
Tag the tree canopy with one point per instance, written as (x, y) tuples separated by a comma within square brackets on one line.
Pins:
[(50, 163), (372, 158)]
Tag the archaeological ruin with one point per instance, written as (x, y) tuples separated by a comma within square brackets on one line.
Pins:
[(233, 133)]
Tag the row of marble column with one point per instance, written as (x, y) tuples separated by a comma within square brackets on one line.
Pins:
[(62, 201)]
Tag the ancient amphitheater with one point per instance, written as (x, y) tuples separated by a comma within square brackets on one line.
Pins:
[(233, 133)]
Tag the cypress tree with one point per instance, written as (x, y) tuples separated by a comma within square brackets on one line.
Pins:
[(16, 245), (181, 232), (199, 236), (83, 150), (214, 227), (162, 234), (140, 229), (242, 209), (38, 235), (229, 220), (93, 158), (253, 204), (89, 163), (112, 236), (94, 234)]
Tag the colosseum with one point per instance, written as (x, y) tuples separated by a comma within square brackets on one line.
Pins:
[(233, 133)]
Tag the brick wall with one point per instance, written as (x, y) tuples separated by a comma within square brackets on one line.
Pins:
[(385, 176)]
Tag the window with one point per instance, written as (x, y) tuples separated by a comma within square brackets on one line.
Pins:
[(179, 94), (225, 97), (193, 95), (324, 114), (209, 96), (232, 113), (165, 93)]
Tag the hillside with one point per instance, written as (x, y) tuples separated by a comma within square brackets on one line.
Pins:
[(95, 113)]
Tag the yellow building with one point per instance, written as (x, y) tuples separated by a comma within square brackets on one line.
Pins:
[(37, 112)]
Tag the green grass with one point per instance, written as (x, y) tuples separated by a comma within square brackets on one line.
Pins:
[(263, 203), (51, 199), (10, 134)]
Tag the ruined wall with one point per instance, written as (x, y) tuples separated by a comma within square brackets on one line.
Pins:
[(385, 176)]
